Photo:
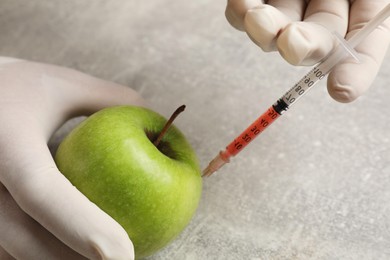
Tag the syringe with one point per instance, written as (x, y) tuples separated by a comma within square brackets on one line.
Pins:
[(343, 50)]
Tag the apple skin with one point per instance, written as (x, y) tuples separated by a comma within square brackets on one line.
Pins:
[(153, 194)]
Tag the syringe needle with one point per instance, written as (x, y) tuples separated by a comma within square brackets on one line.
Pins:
[(214, 165), (296, 92)]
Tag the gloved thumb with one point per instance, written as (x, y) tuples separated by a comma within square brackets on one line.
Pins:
[(348, 80), (300, 43), (72, 93), (236, 10)]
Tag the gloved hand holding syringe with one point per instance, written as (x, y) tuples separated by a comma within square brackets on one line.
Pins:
[(343, 50)]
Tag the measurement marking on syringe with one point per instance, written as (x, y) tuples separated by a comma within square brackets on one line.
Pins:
[(303, 85), (252, 131)]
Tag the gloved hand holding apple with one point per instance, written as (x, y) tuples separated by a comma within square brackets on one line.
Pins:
[(42, 214)]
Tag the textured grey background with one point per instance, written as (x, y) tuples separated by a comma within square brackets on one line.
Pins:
[(315, 185)]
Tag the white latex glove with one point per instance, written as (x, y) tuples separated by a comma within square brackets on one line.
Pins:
[(42, 216), (301, 31)]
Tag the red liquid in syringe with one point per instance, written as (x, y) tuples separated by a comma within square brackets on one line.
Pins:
[(238, 144), (250, 133)]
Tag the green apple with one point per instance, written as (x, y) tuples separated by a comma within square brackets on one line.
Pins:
[(153, 192)]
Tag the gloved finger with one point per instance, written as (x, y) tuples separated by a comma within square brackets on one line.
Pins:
[(294, 9), (348, 80), (331, 14), (88, 94), (23, 238), (236, 10), (307, 42), (263, 24), (31, 177)]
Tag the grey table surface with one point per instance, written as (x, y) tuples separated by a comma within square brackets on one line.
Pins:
[(315, 185)]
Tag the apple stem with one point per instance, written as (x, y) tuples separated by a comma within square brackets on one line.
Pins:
[(168, 124)]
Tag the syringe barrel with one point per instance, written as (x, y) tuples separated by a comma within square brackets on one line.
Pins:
[(249, 134)]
